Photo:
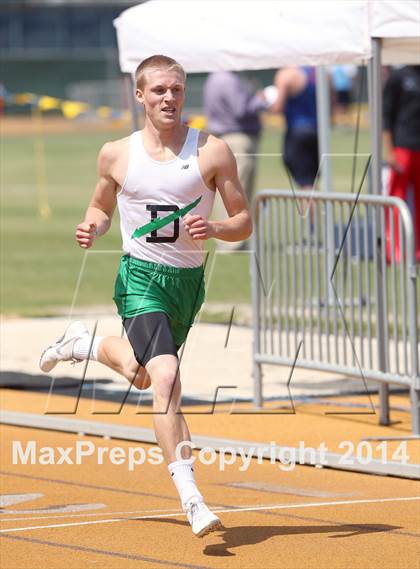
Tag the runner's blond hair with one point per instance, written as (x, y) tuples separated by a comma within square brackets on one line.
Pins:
[(156, 62)]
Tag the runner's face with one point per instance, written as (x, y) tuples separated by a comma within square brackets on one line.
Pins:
[(163, 97)]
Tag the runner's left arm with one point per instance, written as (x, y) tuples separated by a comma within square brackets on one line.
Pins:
[(238, 226)]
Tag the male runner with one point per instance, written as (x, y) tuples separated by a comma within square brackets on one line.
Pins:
[(163, 180)]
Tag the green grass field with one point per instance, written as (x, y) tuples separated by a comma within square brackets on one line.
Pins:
[(40, 260)]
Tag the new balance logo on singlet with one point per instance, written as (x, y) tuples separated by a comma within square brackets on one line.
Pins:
[(185, 167)]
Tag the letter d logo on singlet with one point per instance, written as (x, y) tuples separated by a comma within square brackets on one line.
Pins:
[(154, 238), (157, 223)]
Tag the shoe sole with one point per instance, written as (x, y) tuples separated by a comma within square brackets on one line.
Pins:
[(215, 525), (46, 350), (56, 343)]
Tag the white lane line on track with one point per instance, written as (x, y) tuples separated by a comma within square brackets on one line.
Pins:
[(222, 511), (64, 515)]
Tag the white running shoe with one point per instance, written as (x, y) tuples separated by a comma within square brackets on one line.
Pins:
[(202, 520), (62, 350)]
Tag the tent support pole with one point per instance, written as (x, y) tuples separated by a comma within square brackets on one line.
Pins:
[(324, 127), (375, 111), (323, 107), (132, 103)]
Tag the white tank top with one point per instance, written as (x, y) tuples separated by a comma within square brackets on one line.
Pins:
[(153, 191)]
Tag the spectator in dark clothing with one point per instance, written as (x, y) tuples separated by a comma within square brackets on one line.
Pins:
[(401, 113), (296, 99)]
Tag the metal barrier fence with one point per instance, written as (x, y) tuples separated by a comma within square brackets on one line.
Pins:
[(334, 289)]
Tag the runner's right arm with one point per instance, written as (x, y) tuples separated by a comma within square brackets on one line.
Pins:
[(102, 205)]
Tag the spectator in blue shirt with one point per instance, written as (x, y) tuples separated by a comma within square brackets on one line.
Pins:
[(342, 83)]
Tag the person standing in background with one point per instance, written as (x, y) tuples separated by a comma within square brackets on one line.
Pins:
[(232, 109), (401, 140), (342, 83), (296, 98)]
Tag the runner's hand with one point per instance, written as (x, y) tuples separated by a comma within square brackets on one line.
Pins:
[(198, 227), (86, 233)]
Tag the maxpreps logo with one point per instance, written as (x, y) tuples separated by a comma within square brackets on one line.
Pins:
[(75, 455)]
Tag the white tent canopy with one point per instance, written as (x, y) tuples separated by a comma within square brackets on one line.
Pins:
[(398, 24), (208, 35)]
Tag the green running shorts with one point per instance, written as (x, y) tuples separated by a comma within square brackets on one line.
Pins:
[(142, 287)]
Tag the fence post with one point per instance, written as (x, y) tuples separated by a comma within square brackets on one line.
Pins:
[(413, 330), (255, 287), (375, 109)]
